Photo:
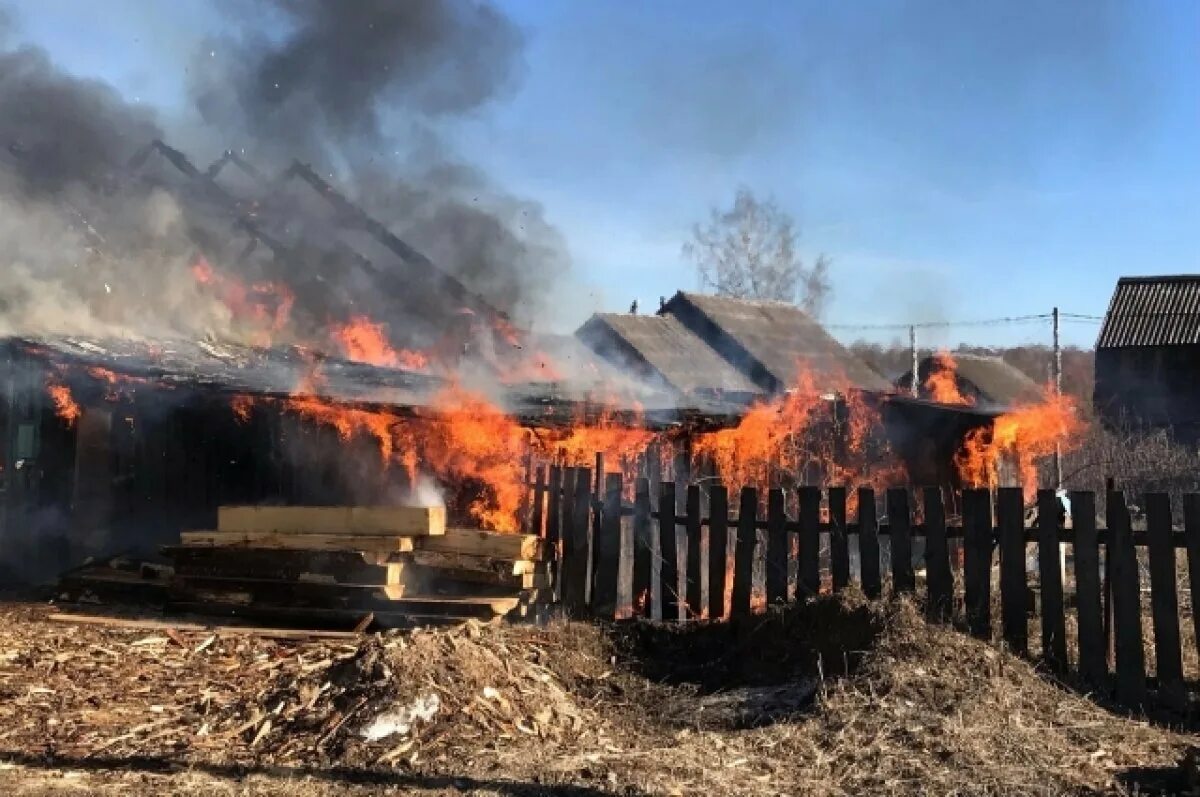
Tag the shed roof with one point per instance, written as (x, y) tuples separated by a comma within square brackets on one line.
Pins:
[(769, 341), (665, 347), (999, 383), (1153, 311)]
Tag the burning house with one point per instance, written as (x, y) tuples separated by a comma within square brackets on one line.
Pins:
[(1148, 356), (970, 379)]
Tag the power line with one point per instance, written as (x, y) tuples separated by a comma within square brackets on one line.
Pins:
[(982, 322)]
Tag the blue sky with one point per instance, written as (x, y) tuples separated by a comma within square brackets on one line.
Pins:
[(956, 160)]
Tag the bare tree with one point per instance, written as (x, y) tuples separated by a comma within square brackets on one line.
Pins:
[(749, 251)]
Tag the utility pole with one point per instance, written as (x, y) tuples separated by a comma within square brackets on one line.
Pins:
[(1056, 365), (912, 344)]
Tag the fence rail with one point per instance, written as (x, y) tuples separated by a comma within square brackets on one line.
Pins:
[(691, 558)]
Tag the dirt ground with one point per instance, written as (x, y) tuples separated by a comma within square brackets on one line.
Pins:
[(839, 697)]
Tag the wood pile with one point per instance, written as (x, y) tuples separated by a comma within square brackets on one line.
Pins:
[(355, 567)]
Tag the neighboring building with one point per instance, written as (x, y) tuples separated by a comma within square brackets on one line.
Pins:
[(984, 382), (1148, 356), (770, 341), (661, 351)]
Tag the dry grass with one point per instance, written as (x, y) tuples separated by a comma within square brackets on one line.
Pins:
[(900, 707)]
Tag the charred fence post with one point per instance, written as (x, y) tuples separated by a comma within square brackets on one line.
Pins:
[(643, 554), (1191, 532), (553, 525), (777, 548), (575, 546), (900, 540), (977, 564), (1010, 513), (536, 525), (1164, 600), (743, 559), (668, 553), (810, 543), (938, 580), (1054, 621), (839, 541), (607, 545), (718, 549), (868, 543), (595, 530), (1093, 658), (1126, 605), (695, 543), (566, 514)]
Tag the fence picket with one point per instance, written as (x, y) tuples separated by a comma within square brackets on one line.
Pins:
[(1191, 531), (607, 545), (743, 558), (839, 541), (575, 546), (536, 517), (1164, 601), (695, 544), (977, 564), (668, 551), (1093, 661), (1014, 615), (1126, 602), (900, 541), (1054, 622), (718, 549), (777, 548), (553, 508), (810, 542), (868, 543), (938, 580), (643, 553)]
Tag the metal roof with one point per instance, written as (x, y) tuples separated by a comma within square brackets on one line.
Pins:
[(1153, 311), (771, 341)]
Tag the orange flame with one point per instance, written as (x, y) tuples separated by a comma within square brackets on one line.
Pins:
[(365, 341), (64, 403), (942, 382), (1024, 435), (263, 307)]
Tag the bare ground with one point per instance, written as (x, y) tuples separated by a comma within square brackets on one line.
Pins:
[(839, 697)]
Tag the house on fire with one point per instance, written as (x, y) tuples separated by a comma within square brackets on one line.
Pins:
[(1148, 357), (986, 382)]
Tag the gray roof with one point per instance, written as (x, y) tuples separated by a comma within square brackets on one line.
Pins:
[(1153, 311), (770, 341), (997, 382), (664, 350)]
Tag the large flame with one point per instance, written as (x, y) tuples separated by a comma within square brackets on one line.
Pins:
[(263, 309), (942, 382), (363, 340), (1023, 436)]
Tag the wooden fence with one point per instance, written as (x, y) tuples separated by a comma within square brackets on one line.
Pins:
[(621, 558)]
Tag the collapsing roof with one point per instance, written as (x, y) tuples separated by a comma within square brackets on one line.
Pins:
[(663, 351), (1153, 311), (988, 381), (770, 341)]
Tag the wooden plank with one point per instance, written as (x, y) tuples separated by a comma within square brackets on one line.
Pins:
[(566, 524), (839, 540), (868, 543), (575, 548), (977, 565), (1126, 603), (718, 549), (1191, 526), (668, 552), (349, 567), (900, 540), (743, 558), (938, 580), (553, 510), (810, 542), (290, 541), (482, 564), (485, 543), (363, 598), (537, 513), (397, 520), (139, 624), (1164, 600), (607, 562), (1010, 516), (594, 529), (1054, 621), (1093, 663), (777, 549), (695, 552), (643, 553)]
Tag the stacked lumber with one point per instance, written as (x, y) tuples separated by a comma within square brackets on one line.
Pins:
[(354, 566)]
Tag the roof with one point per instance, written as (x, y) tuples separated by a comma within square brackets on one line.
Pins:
[(666, 349), (1153, 311), (998, 382), (770, 341)]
